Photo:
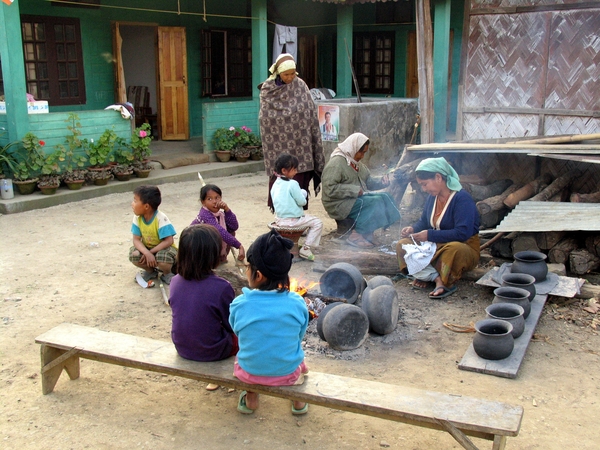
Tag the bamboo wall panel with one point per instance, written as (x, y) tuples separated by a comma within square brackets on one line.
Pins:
[(487, 4), (571, 125), (481, 126)]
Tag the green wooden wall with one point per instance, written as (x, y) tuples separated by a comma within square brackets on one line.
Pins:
[(228, 114)]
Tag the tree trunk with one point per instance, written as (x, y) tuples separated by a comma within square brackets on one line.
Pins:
[(523, 242), (482, 192), (556, 186), (592, 244), (528, 191), (496, 202), (560, 252), (581, 261), (594, 197), (549, 239)]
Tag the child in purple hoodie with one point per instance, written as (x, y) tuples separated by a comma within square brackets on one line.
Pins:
[(215, 212)]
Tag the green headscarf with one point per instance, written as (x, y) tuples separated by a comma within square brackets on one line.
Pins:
[(441, 166)]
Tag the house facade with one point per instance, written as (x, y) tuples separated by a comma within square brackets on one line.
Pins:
[(199, 63)]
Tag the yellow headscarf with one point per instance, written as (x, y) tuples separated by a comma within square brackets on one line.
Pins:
[(284, 62)]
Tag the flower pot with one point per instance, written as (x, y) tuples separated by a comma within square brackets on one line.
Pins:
[(242, 158), (532, 263), (48, 190), (101, 181), (125, 176), (513, 295), (223, 155), (256, 157), (520, 280), (74, 185), (26, 187), (142, 173), (510, 312), (493, 339)]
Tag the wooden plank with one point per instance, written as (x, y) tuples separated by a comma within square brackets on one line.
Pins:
[(592, 149), (475, 417), (508, 367)]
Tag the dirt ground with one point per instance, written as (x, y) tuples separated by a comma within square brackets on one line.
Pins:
[(69, 264)]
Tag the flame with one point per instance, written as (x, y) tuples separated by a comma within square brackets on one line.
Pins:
[(295, 286)]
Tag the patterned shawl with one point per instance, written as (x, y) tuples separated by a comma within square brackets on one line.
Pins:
[(289, 124)]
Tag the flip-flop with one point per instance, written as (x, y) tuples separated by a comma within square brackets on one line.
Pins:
[(446, 292), (360, 243), (402, 276), (212, 387), (241, 407), (420, 288), (299, 412)]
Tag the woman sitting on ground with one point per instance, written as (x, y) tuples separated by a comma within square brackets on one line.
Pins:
[(450, 219), (346, 186)]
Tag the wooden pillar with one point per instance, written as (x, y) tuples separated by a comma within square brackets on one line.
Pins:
[(345, 18), (441, 52), (13, 71), (260, 63), (425, 69)]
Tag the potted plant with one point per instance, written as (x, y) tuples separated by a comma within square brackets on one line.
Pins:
[(140, 148), (8, 160), (100, 154), (256, 152), (26, 172), (241, 154), (74, 173), (224, 141), (50, 172), (124, 159)]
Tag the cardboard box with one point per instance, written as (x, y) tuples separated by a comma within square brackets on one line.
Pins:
[(39, 107)]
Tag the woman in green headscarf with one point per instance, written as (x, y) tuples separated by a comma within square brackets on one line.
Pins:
[(450, 219)]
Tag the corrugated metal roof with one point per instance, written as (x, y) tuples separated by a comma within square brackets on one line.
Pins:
[(550, 216)]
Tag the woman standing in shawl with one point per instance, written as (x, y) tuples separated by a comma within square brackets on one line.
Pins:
[(450, 220), (289, 124), (346, 182)]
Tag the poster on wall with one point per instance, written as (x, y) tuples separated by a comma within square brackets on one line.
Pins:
[(329, 121)]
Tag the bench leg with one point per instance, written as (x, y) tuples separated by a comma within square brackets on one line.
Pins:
[(499, 442), (54, 361), (460, 437)]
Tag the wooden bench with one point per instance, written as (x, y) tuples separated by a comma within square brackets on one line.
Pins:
[(62, 346)]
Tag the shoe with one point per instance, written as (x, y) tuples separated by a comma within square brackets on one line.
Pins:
[(147, 276), (241, 407), (167, 277), (299, 412), (359, 242), (445, 292), (305, 253), (212, 387)]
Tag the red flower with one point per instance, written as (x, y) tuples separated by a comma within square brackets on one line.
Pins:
[(42, 143), (237, 133)]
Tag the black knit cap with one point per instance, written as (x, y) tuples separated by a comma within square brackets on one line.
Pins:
[(270, 253)]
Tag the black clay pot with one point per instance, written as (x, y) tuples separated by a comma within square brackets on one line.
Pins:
[(321, 317), (513, 295), (493, 339), (532, 263), (520, 280), (342, 280), (510, 312)]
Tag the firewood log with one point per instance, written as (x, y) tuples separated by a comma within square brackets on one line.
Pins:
[(482, 192), (592, 244), (556, 186), (523, 242), (581, 261), (528, 191), (496, 202), (560, 252), (400, 177), (594, 197), (492, 218), (549, 239)]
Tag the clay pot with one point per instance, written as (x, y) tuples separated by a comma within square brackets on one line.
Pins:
[(493, 339), (342, 280), (26, 187), (513, 295), (101, 181), (520, 280), (223, 155), (123, 176), (242, 158), (142, 173), (48, 190), (376, 281), (510, 312), (382, 309), (345, 327), (532, 263), (74, 185), (321, 317)]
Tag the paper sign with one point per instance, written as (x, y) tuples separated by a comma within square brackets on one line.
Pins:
[(329, 121)]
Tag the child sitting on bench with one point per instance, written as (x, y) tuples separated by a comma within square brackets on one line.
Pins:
[(270, 322)]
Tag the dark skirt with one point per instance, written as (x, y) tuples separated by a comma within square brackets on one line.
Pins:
[(373, 211)]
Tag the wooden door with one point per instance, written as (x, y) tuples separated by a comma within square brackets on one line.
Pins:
[(172, 82), (307, 60)]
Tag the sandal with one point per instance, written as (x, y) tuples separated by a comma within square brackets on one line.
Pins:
[(360, 242), (299, 412), (241, 407), (423, 287), (445, 292), (147, 276)]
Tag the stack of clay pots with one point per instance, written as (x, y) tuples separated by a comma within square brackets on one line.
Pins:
[(506, 317), (345, 326)]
